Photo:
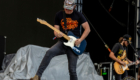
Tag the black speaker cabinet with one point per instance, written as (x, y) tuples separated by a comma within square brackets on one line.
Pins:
[(2, 49)]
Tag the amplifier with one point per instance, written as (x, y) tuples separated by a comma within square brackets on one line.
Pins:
[(2, 49)]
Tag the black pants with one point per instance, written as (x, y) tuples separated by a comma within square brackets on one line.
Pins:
[(120, 77), (58, 49)]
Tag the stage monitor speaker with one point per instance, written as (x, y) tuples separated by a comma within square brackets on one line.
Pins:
[(2, 49)]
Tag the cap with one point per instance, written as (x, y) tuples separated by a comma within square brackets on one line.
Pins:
[(127, 37), (69, 4)]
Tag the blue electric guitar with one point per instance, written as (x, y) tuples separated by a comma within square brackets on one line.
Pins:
[(70, 37)]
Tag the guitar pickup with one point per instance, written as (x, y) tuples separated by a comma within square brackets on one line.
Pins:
[(76, 49)]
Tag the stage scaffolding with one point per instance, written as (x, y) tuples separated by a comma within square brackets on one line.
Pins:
[(79, 8), (79, 4), (137, 32)]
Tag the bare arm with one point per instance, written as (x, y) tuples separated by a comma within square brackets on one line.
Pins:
[(85, 33), (58, 35), (86, 30), (112, 56)]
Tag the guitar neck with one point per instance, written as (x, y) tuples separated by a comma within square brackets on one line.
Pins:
[(133, 63), (53, 28)]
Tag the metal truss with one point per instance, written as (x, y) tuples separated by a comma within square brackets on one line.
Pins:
[(79, 4), (137, 32)]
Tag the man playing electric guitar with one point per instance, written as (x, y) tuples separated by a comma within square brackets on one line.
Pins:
[(73, 21), (118, 55)]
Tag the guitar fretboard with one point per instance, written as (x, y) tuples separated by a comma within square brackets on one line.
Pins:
[(53, 28), (133, 63)]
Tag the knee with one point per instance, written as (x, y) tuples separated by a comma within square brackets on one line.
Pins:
[(49, 53)]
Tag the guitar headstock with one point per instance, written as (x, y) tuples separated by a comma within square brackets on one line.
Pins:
[(41, 21)]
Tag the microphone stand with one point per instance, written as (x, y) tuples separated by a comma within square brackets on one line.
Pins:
[(107, 47), (136, 67), (136, 53)]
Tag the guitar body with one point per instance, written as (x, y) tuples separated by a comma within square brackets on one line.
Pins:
[(76, 49), (120, 69), (127, 63)]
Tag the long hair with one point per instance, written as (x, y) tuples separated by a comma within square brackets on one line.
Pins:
[(120, 39)]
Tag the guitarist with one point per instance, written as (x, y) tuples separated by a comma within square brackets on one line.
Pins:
[(117, 53), (73, 21)]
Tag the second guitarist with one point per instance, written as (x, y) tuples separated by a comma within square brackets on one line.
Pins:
[(119, 53)]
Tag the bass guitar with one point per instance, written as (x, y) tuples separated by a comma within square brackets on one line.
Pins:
[(70, 37)]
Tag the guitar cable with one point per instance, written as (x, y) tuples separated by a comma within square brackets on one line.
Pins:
[(97, 34)]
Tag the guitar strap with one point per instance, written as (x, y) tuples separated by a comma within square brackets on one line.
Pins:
[(64, 17), (124, 48)]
